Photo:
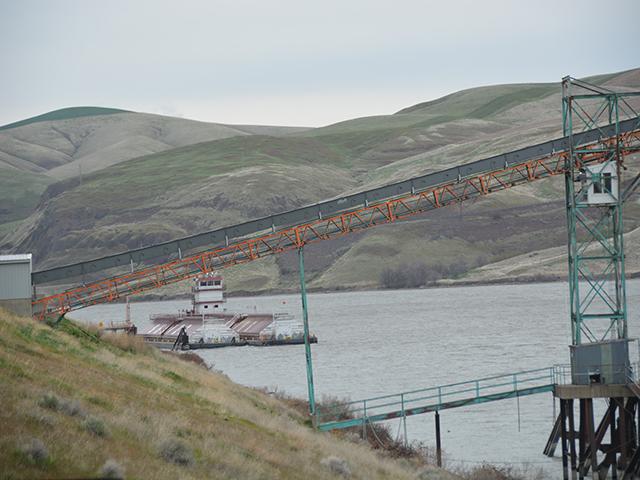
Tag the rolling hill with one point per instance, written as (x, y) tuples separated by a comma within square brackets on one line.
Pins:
[(77, 141), (64, 114), (65, 142), (204, 184)]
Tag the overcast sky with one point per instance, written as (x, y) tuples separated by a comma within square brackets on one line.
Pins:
[(295, 62)]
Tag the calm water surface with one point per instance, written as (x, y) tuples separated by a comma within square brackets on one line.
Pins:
[(374, 343)]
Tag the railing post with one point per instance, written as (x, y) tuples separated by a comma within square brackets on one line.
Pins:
[(404, 419), (364, 420), (439, 397), (515, 382), (477, 388)]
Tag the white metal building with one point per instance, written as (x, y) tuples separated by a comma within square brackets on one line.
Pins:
[(15, 283)]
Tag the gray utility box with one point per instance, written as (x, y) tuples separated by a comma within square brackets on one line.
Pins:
[(601, 362), (15, 283)]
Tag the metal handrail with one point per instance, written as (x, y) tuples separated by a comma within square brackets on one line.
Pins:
[(559, 374), (443, 393)]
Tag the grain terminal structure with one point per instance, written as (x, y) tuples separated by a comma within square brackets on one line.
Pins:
[(600, 128)]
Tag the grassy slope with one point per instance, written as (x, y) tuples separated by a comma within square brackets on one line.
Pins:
[(190, 189), (61, 144), (145, 398), (20, 193), (64, 114)]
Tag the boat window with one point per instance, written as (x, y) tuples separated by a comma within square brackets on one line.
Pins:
[(203, 284), (217, 282)]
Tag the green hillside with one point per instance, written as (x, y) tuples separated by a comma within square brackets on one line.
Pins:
[(64, 114), (20, 193), (481, 102)]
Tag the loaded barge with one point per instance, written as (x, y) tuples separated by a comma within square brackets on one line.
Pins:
[(207, 324)]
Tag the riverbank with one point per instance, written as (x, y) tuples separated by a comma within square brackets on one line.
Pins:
[(75, 405), (448, 283)]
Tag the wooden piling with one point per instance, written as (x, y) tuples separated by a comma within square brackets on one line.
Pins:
[(438, 443)]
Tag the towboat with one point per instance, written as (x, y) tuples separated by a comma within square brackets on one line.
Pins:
[(208, 324)]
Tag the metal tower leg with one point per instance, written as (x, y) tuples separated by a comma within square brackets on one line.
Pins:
[(307, 345), (563, 439), (572, 440)]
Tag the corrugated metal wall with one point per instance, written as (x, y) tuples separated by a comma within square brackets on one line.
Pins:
[(15, 280)]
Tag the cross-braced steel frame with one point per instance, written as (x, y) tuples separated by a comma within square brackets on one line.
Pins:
[(595, 230)]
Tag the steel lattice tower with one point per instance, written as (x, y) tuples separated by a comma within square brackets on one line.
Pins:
[(594, 212)]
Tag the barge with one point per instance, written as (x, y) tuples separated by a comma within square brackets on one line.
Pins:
[(208, 324)]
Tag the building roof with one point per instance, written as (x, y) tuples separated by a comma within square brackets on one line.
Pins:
[(19, 258)]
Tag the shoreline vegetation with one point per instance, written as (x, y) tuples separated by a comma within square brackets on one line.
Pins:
[(79, 403)]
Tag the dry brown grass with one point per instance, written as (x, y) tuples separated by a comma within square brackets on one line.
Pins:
[(188, 357), (144, 399), (492, 472), (126, 342)]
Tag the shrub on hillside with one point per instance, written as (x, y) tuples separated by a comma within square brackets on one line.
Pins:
[(41, 418), (419, 274), (95, 426), (176, 451), (111, 470), (337, 465), (69, 407), (407, 276), (337, 408), (35, 452), (50, 401), (72, 408)]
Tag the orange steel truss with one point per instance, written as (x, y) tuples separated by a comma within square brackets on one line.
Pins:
[(294, 237)]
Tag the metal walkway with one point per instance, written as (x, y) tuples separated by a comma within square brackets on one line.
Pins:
[(433, 399)]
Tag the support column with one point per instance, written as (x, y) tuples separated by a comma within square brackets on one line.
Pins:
[(572, 439), (623, 424), (438, 443), (307, 345), (582, 443), (563, 438), (613, 435), (592, 438), (632, 407), (638, 427)]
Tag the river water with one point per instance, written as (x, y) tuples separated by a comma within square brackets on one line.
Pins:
[(374, 343)]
